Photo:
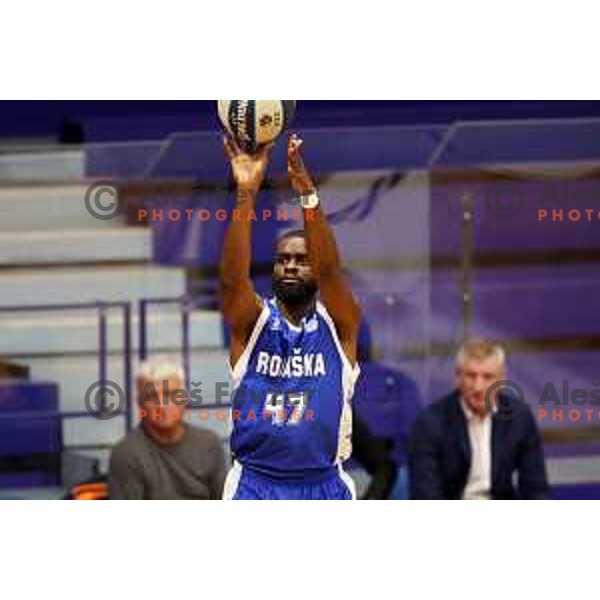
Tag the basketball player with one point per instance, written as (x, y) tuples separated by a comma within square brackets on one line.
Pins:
[(293, 357)]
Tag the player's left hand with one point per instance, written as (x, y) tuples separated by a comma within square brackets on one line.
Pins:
[(299, 177)]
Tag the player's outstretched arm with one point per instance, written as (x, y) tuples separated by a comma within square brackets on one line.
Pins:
[(241, 306), (324, 257)]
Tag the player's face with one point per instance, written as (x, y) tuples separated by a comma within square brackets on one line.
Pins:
[(293, 280), (474, 377), (161, 405)]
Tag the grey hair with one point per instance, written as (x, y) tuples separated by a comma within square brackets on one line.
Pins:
[(480, 350), (159, 368)]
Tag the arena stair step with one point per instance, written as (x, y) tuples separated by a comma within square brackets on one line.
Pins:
[(53, 207), (28, 287), (27, 248), (77, 332), (45, 165)]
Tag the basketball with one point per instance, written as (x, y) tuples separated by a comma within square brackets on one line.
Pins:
[(253, 123)]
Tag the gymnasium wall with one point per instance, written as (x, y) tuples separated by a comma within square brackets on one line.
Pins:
[(423, 216), (120, 120)]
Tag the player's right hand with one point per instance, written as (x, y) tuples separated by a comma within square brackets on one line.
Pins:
[(248, 169)]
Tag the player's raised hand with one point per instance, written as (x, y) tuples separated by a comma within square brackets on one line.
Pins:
[(248, 169), (299, 177)]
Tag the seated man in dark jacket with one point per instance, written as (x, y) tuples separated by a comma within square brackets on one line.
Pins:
[(472, 443)]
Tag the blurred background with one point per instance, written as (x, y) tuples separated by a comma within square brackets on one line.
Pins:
[(436, 207)]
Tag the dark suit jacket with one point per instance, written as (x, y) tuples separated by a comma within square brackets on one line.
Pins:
[(440, 452)]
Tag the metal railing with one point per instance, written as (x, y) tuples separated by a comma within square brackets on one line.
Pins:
[(102, 309), (186, 306)]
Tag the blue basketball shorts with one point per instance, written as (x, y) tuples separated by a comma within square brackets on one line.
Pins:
[(245, 484)]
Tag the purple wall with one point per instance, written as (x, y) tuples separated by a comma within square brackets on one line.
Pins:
[(155, 119), (533, 282)]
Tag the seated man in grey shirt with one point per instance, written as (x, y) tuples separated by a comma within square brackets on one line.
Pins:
[(165, 457)]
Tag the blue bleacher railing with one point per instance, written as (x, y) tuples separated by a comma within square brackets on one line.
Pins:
[(102, 309), (186, 306)]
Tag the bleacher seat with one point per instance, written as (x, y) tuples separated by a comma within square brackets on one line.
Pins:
[(30, 434)]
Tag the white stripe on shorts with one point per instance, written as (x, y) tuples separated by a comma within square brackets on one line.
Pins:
[(232, 481), (348, 481)]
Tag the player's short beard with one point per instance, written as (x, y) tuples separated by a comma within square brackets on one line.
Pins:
[(295, 296)]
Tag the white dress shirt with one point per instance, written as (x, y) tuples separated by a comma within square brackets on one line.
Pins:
[(479, 482)]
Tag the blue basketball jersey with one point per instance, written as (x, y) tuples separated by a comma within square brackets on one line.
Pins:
[(292, 388)]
